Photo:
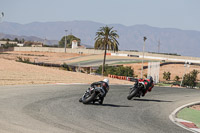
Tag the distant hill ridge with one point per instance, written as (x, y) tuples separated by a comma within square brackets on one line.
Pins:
[(28, 38), (183, 42)]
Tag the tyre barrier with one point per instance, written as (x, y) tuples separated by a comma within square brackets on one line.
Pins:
[(133, 55), (120, 77)]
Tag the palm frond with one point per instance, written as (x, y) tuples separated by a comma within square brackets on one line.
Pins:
[(106, 38)]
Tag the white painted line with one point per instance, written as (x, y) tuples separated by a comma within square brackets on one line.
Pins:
[(181, 120), (172, 59), (196, 129)]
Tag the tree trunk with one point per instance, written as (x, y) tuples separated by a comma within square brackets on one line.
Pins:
[(104, 60)]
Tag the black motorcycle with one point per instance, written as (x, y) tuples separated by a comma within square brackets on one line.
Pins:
[(137, 89), (92, 95)]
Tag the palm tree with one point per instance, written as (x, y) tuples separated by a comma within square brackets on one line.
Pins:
[(106, 39)]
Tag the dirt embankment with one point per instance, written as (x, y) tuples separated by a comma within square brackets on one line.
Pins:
[(14, 73), (174, 69)]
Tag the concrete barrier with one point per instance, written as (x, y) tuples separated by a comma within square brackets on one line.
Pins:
[(171, 59), (118, 54)]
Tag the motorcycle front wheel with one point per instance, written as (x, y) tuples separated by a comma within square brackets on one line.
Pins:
[(89, 98), (133, 92)]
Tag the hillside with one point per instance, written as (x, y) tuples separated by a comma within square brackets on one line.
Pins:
[(172, 40), (28, 38)]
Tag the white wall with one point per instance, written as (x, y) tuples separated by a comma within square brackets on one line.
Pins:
[(74, 44)]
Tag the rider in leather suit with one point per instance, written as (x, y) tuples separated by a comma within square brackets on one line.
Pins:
[(104, 85), (148, 82)]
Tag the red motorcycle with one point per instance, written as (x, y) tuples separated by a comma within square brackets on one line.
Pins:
[(140, 87)]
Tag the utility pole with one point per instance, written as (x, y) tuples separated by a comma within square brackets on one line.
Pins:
[(143, 57), (65, 40), (44, 42), (159, 46), (1, 16), (71, 32)]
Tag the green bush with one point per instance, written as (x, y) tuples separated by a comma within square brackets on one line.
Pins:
[(198, 85), (190, 79), (176, 83), (9, 45), (166, 75), (176, 78), (116, 70), (66, 67)]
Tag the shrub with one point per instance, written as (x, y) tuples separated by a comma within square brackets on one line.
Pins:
[(176, 78), (116, 70), (19, 59), (166, 75), (25, 60), (66, 67), (190, 79), (9, 45)]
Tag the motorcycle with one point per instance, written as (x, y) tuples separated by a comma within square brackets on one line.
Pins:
[(92, 95), (139, 88)]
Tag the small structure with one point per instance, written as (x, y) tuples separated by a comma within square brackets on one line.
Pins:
[(2, 43), (74, 44), (7, 42)]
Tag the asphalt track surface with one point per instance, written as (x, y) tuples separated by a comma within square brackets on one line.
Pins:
[(99, 62), (55, 109)]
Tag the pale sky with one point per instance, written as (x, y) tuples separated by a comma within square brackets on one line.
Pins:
[(181, 14)]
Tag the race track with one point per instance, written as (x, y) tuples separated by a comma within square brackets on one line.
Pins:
[(55, 109)]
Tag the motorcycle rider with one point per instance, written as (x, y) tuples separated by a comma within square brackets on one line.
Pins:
[(104, 87), (148, 85)]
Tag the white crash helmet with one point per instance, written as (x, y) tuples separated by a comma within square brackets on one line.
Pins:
[(106, 80)]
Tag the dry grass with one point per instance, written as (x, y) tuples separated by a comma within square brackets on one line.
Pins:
[(13, 72)]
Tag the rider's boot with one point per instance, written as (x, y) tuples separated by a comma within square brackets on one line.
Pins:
[(101, 100)]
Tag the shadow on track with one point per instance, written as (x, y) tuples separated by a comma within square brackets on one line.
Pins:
[(114, 105), (109, 105), (151, 100)]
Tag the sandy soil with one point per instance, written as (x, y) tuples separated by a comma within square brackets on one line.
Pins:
[(174, 69), (14, 73)]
